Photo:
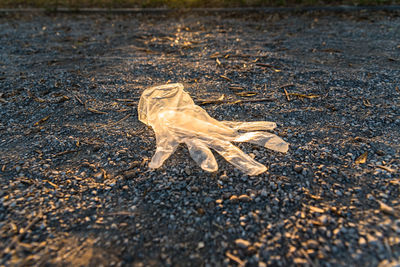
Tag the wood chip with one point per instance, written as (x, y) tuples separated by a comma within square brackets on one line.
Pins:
[(218, 62)]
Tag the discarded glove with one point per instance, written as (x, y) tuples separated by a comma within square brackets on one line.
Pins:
[(175, 119)]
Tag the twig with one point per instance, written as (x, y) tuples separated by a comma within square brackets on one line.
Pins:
[(236, 259), (124, 118), (96, 111), (226, 78), (211, 102), (287, 95), (310, 96), (236, 88), (79, 100), (17, 238), (307, 258), (385, 168), (127, 99), (42, 120), (65, 152)]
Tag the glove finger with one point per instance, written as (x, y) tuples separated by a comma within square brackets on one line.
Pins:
[(250, 126), (264, 139), (237, 157), (158, 159), (202, 155), (165, 148)]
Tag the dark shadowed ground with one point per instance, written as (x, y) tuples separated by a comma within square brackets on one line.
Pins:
[(75, 186)]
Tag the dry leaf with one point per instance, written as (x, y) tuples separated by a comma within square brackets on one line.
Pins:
[(362, 158)]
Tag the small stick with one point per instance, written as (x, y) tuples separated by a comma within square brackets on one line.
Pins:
[(96, 111), (209, 102), (42, 120), (287, 95), (127, 99), (124, 118), (235, 259), (65, 152), (79, 100), (307, 257), (22, 232), (226, 78)]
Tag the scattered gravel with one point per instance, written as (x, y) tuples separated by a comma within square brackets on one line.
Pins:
[(75, 186)]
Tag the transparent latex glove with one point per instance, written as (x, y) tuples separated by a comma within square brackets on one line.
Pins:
[(175, 119)]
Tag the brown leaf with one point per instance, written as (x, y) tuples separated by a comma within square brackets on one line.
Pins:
[(362, 158)]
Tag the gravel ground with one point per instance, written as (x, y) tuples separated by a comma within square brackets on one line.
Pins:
[(75, 185)]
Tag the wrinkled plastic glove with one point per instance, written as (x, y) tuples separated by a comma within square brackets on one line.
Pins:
[(175, 119)]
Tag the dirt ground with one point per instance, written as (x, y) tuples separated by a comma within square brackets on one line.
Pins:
[(76, 189)]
